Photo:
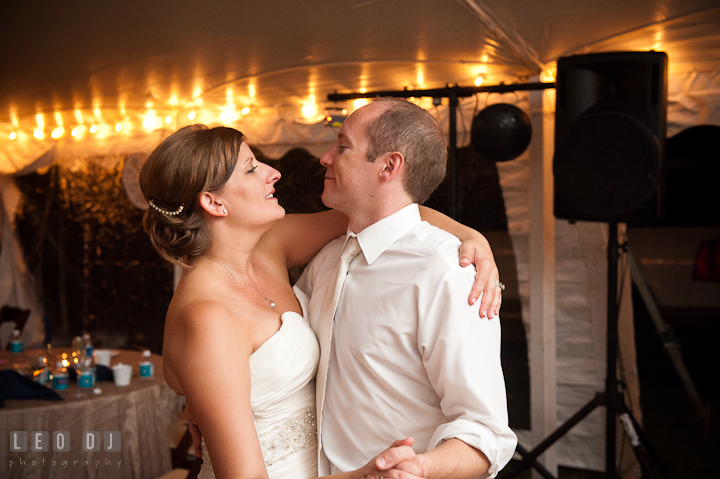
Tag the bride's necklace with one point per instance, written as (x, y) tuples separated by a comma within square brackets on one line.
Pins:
[(269, 301)]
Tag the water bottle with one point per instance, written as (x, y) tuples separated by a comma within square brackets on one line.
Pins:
[(44, 373), (87, 370), (16, 344), (87, 344), (61, 377), (41, 369), (147, 368)]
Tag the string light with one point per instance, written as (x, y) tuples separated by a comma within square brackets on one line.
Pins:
[(309, 108), (150, 121), (78, 131), (547, 75), (479, 80)]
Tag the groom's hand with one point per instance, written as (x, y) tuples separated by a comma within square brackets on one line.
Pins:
[(398, 461), (194, 430)]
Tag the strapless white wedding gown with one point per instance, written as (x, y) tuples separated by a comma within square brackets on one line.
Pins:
[(282, 397)]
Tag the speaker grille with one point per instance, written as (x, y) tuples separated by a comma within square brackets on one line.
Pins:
[(608, 166)]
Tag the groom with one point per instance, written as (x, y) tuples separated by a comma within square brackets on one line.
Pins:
[(403, 354)]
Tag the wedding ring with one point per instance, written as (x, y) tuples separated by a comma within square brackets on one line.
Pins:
[(500, 285)]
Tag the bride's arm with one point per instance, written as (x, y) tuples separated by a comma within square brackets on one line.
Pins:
[(220, 401), (297, 238)]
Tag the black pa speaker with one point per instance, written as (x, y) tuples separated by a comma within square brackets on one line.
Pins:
[(610, 124)]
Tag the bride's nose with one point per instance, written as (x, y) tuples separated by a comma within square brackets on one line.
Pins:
[(273, 175)]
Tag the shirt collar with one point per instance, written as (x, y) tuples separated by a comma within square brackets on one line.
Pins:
[(377, 237)]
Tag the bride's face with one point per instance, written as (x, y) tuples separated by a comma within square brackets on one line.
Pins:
[(249, 193)]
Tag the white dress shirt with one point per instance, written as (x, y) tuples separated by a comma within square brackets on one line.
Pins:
[(409, 355)]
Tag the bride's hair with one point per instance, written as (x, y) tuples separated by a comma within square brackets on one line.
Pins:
[(192, 160)]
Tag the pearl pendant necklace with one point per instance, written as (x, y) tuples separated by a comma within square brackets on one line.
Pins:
[(269, 301)]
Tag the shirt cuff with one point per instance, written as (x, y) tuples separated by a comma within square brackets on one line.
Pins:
[(475, 435)]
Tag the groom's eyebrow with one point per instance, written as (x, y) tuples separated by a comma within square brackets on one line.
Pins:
[(343, 136)]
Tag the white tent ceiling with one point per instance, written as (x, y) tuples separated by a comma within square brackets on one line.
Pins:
[(64, 60)]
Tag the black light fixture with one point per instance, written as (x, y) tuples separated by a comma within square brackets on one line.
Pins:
[(501, 132)]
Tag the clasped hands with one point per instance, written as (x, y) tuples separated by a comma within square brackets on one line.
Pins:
[(399, 461)]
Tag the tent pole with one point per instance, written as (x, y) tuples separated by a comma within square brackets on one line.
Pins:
[(452, 140)]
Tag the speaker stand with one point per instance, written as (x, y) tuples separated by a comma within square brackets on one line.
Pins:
[(611, 398)]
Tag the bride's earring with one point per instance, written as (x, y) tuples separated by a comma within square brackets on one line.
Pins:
[(224, 211)]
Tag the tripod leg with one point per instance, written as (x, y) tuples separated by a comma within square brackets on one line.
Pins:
[(528, 458), (649, 462), (538, 466), (668, 338)]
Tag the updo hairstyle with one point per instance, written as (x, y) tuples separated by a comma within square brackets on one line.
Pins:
[(192, 160)]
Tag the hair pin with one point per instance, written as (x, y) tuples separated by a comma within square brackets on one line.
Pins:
[(166, 212)]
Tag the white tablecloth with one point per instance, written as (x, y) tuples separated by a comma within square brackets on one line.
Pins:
[(142, 412)]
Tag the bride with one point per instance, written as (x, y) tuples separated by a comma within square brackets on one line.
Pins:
[(236, 344)]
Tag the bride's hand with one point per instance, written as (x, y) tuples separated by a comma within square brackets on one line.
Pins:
[(397, 462), (486, 278)]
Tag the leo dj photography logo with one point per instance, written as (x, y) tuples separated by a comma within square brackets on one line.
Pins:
[(40, 441)]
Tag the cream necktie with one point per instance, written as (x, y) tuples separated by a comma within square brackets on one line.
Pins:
[(325, 322), (349, 252)]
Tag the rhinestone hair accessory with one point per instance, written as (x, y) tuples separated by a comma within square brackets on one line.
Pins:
[(166, 212)]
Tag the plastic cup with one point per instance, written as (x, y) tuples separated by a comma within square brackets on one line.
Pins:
[(103, 356), (121, 374)]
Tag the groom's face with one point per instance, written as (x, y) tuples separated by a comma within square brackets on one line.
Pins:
[(350, 178)]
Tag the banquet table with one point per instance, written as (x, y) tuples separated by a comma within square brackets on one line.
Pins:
[(141, 412)]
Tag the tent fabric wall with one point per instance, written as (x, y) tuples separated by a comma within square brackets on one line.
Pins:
[(17, 287)]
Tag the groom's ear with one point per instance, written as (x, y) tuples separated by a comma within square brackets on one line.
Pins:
[(392, 165), (212, 204)]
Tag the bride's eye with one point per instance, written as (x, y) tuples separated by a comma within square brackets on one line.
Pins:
[(252, 170)]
